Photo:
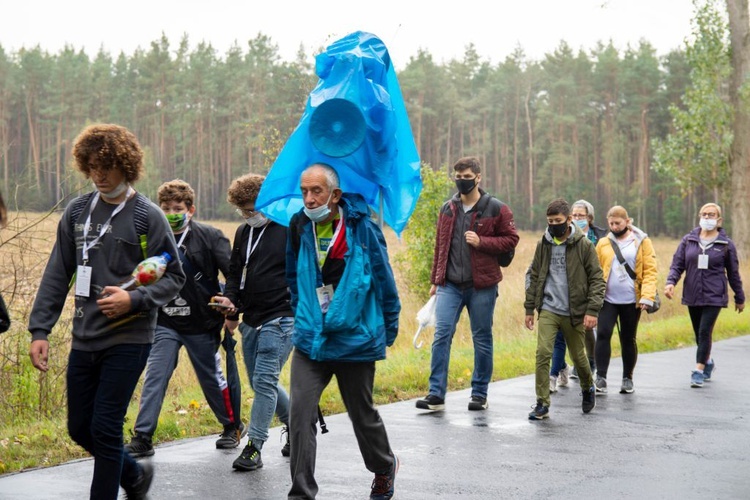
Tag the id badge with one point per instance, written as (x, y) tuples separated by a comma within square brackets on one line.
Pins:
[(244, 275), (325, 296), (83, 281), (703, 261)]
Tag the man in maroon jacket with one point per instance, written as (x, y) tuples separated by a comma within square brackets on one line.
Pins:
[(473, 229)]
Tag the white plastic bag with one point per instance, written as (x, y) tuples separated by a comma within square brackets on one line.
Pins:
[(425, 317)]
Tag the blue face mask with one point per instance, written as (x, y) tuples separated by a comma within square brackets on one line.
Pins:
[(321, 213), (581, 223)]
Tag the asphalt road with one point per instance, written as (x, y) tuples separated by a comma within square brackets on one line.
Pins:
[(665, 441)]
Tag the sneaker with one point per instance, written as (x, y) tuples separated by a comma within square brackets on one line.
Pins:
[(574, 373), (589, 400), (552, 384), (601, 385), (383, 484), (710, 367), (231, 436), (139, 489), (286, 450), (477, 404), (249, 459), (696, 379), (564, 376), (431, 402), (539, 411), (627, 386), (140, 446)]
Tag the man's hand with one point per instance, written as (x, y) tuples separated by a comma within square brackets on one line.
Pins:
[(669, 291), (433, 290), (115, 302), (529, 322), (39, 353), (472, 238), (231, 325), (589, 322), (224, 306)]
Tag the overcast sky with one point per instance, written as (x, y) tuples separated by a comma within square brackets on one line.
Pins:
[(441, 27)]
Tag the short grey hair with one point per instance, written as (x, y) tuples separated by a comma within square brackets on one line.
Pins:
[(588, 206), (332, 177)]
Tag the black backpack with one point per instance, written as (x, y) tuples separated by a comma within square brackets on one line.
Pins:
[(505, 258)]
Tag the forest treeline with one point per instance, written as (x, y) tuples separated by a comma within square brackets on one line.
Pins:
[(577, 124)]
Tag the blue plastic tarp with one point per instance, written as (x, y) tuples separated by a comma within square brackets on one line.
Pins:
[(354, 120)]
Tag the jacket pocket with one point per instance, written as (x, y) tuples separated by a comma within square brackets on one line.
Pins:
[(349, 299), (124, 256)]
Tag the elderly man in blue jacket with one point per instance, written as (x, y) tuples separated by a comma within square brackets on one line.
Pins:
[(346, 313)]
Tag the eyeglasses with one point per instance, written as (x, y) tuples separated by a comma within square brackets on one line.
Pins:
[(245, 212), (709, 215), (579, 216)]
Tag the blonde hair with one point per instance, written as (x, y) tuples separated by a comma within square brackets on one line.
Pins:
[(711, 204), (244, 189), (618, 211)]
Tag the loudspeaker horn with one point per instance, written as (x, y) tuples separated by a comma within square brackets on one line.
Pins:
[(337, 127)]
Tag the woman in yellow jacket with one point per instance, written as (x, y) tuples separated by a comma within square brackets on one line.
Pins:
[(631, 287)]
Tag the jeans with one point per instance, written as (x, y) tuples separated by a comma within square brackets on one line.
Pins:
[(355, 381), (703, 319), (100, 385), (201, 347), (265, 350), (481, 306)]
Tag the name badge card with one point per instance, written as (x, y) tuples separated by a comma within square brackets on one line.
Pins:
[(703, 261), (325, 296), (83, 281)]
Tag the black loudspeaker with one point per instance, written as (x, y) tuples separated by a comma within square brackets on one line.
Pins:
[(337, 127)]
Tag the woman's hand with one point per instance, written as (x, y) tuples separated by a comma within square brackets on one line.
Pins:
[(669, 291)]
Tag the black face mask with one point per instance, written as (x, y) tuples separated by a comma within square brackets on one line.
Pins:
[(558, 230), (619, 233), (466, 186)]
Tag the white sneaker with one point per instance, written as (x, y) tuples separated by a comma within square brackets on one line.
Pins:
[(552, 384), (564, 376)]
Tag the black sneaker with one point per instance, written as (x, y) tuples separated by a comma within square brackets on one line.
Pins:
[(140, 446), (286, 450), (589, 399), (478, 404), (383, 485), (140, 488), (431, 402), (231, 436), (249, 459), (539, 411)]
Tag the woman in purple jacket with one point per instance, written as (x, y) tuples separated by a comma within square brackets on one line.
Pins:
[(709, 260)]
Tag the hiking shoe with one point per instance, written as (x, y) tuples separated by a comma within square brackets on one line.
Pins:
[(286, 450), (552, 384), (249, 459), (710, 367), (383, 484), (140, 446), (477, 404), (231, 436), (431, 402), (589, 399), (696, 379), (139, 489), (564, 377), (574, 373), (627, 386), (601, 385), (539, 411)]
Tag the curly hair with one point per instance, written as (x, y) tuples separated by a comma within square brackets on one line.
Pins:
[(244, 189), (107, 146), (176, 190)]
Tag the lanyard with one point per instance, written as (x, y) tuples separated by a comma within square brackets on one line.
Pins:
[(333, 238), (86, 245), (250, 247), (182, 238)]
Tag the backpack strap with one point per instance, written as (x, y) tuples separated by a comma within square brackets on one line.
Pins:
[(617, 251)]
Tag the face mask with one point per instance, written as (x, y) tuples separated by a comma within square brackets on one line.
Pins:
[(115, 192), (257, 220), (466, 186), (708, 224), (558, 230), (619, 233), (178, 222), (581, 223), (320, 213)]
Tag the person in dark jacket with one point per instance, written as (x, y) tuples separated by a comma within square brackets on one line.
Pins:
[(566, 288), (257, 289), (188, 321), (473, 228), (709, 260), (346, 314), (101, 238)]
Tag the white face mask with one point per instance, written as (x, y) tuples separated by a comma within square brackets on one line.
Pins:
[(708, 224), (121, 188), (320, 213), (257, 220)]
